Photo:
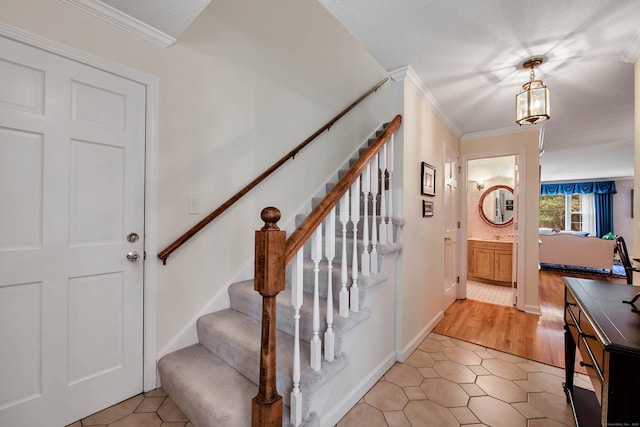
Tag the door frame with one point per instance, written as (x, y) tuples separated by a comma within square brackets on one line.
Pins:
[(464, 212), (150, 268)]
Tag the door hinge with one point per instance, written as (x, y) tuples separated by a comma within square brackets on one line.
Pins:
[(459, 170), (457, 279), (458, 224)]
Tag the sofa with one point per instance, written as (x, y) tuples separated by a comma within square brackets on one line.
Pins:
[(575, 250)]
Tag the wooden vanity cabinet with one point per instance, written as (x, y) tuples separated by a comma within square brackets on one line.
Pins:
[(490, 261)]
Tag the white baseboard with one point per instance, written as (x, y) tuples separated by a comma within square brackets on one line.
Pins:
[(331, 419), (401, 356), (533, 309)]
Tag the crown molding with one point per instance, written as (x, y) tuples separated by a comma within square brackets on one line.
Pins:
[(632, 52), (407, 73), (502, 131), (122, 20)]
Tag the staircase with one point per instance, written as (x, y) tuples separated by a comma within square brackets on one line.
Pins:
[(215, 380)]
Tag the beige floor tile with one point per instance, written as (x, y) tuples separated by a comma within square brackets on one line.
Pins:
[(113, 413), (473, 390), (479, 370), (175, 424), (403, 375), (468, 345), (506, 356), (430, 345), (396, 419), (547, 382), (428, 413), (528, 386), (447, 343), (363, 415), (462, 356), (428, 372), (420, 359), (533, 366), (444, 392), (484, 354), (76, 424), (439, 356), (547, 422), (494, 412), (157, 392), (464, 415), (414, 393), (552, 406), (139, 420), (527, 410), (439, 337), (150, 404), (504, 369), (454, 371), (501, 389), (169, 411), (386, 396)]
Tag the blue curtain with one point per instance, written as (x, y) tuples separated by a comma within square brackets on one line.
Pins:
[(603, 195), (598, 187)]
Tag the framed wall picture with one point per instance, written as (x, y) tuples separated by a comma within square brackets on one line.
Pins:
[(428, 187), (427, 208)]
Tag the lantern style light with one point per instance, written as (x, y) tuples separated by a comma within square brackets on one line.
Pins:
[(532, 104)]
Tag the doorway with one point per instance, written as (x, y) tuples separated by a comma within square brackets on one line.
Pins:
[(73, 151), (491, 226)]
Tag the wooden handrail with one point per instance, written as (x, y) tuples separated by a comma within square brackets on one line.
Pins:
[(313, 220), (166, 252)]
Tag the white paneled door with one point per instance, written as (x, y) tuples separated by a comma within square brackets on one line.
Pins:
[(72, 146), (450, 282)]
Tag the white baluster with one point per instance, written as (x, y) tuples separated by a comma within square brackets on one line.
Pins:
[(374, 221), (344, 293), (296, 302), (383, 200), (355, 218), (316, 256), (390, 210), (366, 185), (329, 253)]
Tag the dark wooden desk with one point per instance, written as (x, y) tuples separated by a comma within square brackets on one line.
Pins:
[(607, 334)]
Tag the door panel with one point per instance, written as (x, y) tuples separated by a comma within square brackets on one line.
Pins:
[(451, 259), (72, 142)]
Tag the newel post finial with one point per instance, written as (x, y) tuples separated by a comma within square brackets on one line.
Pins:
[(269, 280)]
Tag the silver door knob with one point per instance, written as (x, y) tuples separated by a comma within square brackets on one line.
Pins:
[(133, 256)]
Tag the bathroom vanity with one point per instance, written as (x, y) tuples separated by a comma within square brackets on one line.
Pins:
[(490, 261)]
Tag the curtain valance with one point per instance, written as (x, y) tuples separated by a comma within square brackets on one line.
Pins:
[(597, 187)]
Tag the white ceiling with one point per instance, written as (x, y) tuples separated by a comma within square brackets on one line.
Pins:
[(468, 55)]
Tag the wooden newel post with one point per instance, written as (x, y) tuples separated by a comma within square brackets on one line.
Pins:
[(266, 407)]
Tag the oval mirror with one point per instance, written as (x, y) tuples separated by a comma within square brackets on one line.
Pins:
[(496, 205)]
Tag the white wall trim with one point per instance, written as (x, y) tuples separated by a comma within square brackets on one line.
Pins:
[(401, 356), (502, 131), (122, 20), (521, 153), (407, 73), (332, 417), (151, 176)]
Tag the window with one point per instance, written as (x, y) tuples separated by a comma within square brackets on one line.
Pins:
[(563, 212)]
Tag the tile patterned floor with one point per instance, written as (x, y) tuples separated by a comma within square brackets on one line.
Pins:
[(448, 382), (445, 382), (494, 294), (151, 409)]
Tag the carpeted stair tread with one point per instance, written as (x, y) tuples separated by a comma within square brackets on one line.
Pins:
[(247, 301), (235, 338), (209, 391)]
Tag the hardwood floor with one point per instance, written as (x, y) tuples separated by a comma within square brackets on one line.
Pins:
[(537, 337)]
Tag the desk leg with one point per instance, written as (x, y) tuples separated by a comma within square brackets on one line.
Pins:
[(569, 361)]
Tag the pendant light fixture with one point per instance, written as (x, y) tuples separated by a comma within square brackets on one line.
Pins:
[(532, 104)]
